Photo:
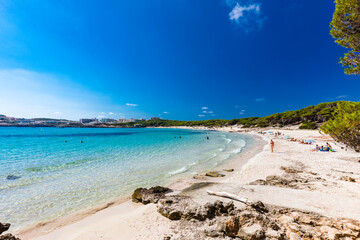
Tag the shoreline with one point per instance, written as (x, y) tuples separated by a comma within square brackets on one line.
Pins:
[(42, 228), (292, 177)]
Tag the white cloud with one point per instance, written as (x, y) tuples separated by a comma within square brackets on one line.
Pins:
[(165, 112), (238, 11), (58, 113), (259, 99), (242, 112), (341, 96), (100, 116), (201, 115), (132, 104), (205, 112), (247, 17), (111, 113)]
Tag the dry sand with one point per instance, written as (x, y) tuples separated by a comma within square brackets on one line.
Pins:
[(328, 183)]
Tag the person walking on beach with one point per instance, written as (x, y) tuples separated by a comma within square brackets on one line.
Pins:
[(272, 145)]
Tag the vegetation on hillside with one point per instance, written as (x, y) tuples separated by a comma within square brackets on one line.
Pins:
[(345, 28), (308, 125), (313, 115), (345, 124)]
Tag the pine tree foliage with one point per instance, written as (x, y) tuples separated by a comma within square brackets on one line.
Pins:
[(345, 126), (346, 30)]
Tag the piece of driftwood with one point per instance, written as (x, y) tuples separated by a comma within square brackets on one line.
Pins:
[(231, 196)]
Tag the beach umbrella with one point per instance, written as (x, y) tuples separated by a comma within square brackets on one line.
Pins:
[(270, 132), (310, 141), (286, 137)]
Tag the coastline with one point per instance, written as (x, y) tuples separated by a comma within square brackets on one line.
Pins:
[(326, 190), (124, 203)]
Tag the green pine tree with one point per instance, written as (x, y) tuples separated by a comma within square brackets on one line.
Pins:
[(346, 30), (345, 126)]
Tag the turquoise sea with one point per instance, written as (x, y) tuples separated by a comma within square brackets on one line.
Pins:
[(46, 173)]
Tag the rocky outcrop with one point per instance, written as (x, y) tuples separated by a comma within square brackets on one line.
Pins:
[(12, 177), (290, 170), (8, 237), (224, 221), (251, 224), (274, 180), (214, 174), (3, 228), (199, 177), (183, 207), (151, 195), (348, 179), (289, 181)]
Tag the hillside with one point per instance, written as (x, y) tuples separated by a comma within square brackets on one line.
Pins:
[(310, 117)]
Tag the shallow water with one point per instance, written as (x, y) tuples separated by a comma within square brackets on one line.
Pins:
[(59, 175)]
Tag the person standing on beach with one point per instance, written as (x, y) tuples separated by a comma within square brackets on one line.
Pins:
[(272, 145)]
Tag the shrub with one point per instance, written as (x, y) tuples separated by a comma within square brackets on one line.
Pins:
[(308, 125), (262, 123), (345, 126)]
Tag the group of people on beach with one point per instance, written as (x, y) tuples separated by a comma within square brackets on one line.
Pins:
[(304, 142), (326, 148), (277, 133), (299, 141)]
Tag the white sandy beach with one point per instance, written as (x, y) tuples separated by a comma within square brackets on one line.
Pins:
[(331, 187)]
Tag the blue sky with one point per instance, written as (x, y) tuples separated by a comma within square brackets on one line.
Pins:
[(177, 59)]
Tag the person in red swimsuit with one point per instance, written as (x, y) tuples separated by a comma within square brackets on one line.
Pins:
[(272, 145)]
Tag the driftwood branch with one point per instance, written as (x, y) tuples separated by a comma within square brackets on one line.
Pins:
[(231, 196)]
